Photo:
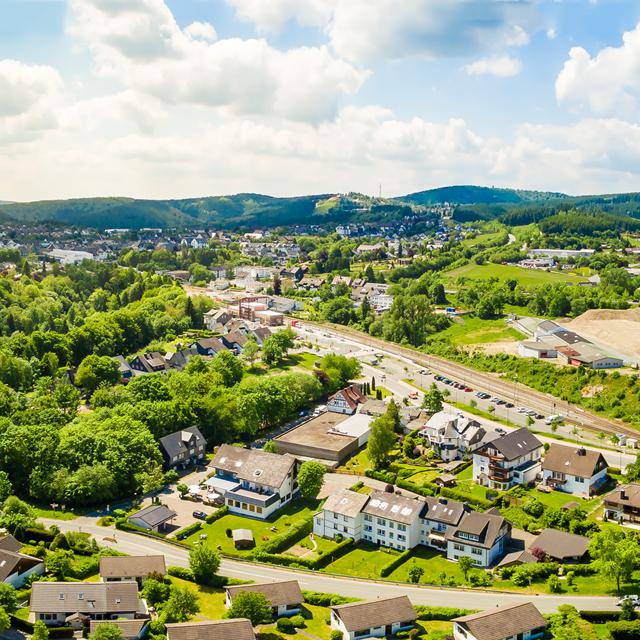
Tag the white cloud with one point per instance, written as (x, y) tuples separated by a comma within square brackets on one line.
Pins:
[(28, 98), (203, 30), (500, 66), (607, 83), (365, 31), (138, 42)]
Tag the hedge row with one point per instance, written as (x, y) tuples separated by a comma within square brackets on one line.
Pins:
[(216, 515), (455, 494), (426, 489), (186, 574), (289, 537), (580, 569), (317, 599), (382, 476), (189, 530), (34, 533), (624, 629), (390, 567), (600, 617), (440, 613), (27, 627)]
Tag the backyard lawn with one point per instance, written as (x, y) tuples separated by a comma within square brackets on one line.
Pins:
[(364, 561), (465, 483), (357, 464), (211, 600), (263, 530), (434, 564), (527, 277), (316, 625)]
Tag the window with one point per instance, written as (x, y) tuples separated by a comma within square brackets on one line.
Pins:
[(476, 552), (391, 525), (380, 532), (579, 480), (318, 520), (368, 527), (402, 527), (401, 537), (458, 547), (391, 535), (382, 521), (367, 517), (258, 509)]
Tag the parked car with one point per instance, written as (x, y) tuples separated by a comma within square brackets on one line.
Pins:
[(501, 402), (539, 416), (199, 515), (522, 410), (501, 431), (468, 389), (630, 597), (509, 405)]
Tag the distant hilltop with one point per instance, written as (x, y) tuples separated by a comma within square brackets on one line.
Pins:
[(250, 210)]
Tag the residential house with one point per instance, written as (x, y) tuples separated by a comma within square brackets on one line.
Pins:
[(216, 319), (127, 568), (236, 629), (153, 518), (130, 629), (560, 545), (208, 346), (285, 597), (515, 458), (392, 520), (9, 543), (234, 341), (183, 448), (341, 515), (574, 470), (126, 372), (346, 400), (519, 621), (373, 618), (153, 362), (623, 504), (16, 567), (60, 603), (483, 537), (439, 515), (254, 482), (451, 436), (178, 360)]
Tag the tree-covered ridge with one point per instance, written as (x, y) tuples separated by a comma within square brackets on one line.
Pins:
[(471, 194)]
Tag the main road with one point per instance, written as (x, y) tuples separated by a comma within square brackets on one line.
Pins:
[(134, 544), (541, 402)]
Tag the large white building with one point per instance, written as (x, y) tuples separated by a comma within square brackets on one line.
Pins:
[(578, 471), (451, 435), (400, 522)]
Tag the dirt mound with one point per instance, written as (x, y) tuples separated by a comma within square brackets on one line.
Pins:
[(618, 330)]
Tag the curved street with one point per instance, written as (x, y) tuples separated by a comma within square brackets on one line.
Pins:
[(133, 544)]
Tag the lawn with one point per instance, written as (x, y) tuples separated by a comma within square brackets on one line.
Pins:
[(301, 361), (263, 530), (469, 330), (527, 277), (316, 624), (364, 561), (465, 483), (435, 567), (54, 514), (211, 600), (323, 546), (357, 464)]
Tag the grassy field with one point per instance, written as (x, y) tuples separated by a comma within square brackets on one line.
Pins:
[(211, 600), (469, 330), (357, 464), (465, 483), (316, 625), (364, 561), (483, 238), (434, 564), (263, 530), (54, 514), (527, 277), (304, 361)]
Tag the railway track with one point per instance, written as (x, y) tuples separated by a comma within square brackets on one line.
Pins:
[(491, 383)]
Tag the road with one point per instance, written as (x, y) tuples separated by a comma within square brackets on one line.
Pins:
[(133, 544), (543, 403)]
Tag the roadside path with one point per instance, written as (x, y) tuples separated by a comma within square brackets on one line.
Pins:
[(134, 544)]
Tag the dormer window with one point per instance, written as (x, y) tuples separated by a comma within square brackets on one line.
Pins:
[(81, 596)]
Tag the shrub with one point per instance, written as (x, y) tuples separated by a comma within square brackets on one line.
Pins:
[(553, 584), (336, 635), (285, 625), (298, 622), (624, 629), (383, 476), (181, 572), (600, 617), (216, 515), (318, 599)]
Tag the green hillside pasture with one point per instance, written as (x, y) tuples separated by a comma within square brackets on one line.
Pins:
[(526, 277)]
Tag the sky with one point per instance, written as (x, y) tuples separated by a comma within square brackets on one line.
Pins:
[(187, 98)]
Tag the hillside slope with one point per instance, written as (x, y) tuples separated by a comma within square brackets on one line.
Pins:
[(470, 194)]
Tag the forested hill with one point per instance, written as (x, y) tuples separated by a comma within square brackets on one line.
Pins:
[(469, 194), (249, 210)]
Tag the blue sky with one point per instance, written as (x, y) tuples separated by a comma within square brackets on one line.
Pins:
[(176, 98)]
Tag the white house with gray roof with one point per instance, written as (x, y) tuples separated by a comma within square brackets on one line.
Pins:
[(254, 483)]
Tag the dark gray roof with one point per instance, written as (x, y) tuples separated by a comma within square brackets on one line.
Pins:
[(569, 337), (486, 526), (10, 543), (560, 544), (154, 515), (514, 444), (179, 442), (443, 510)]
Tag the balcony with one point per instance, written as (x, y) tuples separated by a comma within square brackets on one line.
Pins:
[(253, 497)]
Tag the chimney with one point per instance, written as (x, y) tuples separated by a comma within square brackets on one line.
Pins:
[(442, 500), (582, 451), (623, 494)]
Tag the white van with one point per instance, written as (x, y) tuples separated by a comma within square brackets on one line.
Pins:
[(558, 417)]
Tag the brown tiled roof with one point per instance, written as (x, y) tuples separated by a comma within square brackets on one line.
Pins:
[(631, 496), (131, 566), (84, 597), (277, 593), (560, 544), (352, 395), (503, 622), (253, 465), (129, 628), (574, 461), (239, 629), (346, 503), (375, 613)]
